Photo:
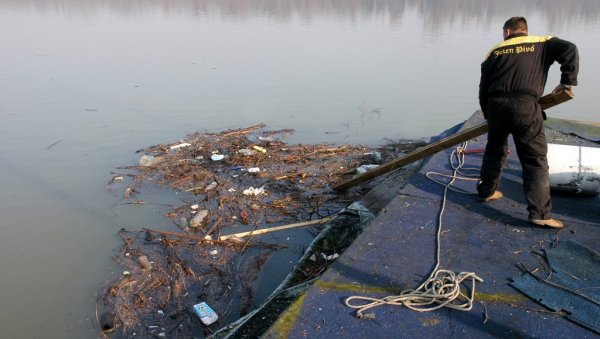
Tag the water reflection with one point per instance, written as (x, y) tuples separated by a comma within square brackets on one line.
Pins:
[(435, 13)]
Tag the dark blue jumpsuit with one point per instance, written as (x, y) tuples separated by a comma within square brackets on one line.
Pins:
[(513, 77)]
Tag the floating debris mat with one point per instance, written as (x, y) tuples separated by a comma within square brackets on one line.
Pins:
[(251, 177), (188, 281), (166, 274)]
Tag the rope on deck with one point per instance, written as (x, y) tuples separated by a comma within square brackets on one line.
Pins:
[(443, 287)]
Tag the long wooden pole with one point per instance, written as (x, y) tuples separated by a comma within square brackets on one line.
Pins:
[(546, 102), (414, 156)]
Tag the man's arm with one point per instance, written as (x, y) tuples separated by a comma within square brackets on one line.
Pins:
[(483, 88), (566, 54)]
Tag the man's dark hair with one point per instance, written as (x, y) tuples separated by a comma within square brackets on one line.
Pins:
[(517, 23)]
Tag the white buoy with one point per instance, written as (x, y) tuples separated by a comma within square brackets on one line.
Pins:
[(574, 168)]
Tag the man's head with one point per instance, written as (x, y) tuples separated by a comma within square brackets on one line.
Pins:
[(516, 24)]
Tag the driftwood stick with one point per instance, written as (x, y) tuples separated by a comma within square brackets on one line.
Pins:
[(182, 180), (54, 144), (276, 228), (242, 130), (183, 235), (214, 226)]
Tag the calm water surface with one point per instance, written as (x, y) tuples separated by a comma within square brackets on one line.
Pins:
[(83, 84)]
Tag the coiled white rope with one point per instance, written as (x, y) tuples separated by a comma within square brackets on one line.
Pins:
[(443, 287), (459, 155)]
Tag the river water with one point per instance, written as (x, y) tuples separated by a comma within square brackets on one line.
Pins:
[(83, 84)]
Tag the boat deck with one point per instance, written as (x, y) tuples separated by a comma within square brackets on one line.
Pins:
[(493, 240)]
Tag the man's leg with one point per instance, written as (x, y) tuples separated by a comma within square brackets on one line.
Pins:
[(496, 151), (532, 148)]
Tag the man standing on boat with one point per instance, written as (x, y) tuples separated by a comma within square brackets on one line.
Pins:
[(513, 76)]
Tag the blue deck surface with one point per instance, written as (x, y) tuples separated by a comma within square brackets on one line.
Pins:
[(397, 251)]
